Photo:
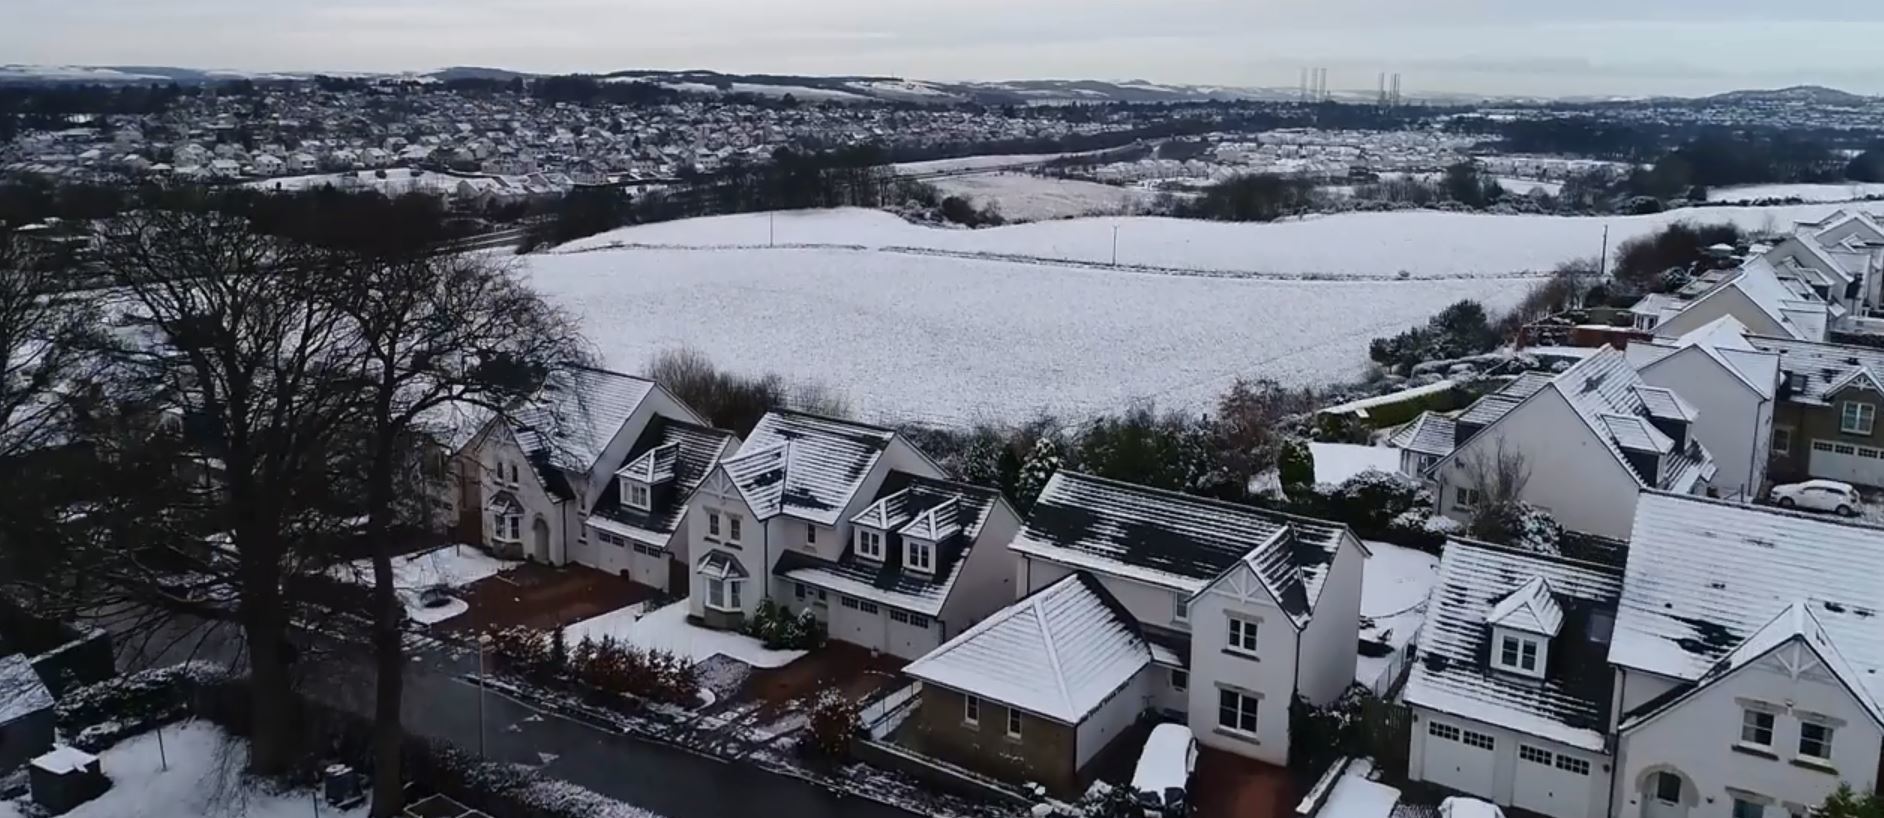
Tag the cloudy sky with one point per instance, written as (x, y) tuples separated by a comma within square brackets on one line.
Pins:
[(1479, 46)]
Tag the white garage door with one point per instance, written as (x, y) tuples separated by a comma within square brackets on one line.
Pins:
[(1843, 461), (857, 621), (1461, 759), (1550, 783)]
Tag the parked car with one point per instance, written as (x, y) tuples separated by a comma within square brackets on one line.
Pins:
[(1819, 495), (1163, 777)]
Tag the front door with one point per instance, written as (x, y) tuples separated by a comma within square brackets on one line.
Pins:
[(540, 540), (1663, 796)]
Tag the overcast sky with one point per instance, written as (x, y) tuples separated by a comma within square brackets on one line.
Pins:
[(1478, 46)]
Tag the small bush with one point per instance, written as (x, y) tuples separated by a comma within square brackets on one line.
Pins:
[(833, 722), (528, 651), (774, 625), (1518, 524), (613, 667), (1296, 465)]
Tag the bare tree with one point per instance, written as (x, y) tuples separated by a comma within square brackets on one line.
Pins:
[(428, 334), (1500, 476)]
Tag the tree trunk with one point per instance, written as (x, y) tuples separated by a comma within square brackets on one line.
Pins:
[(272, 705), (388, 634)]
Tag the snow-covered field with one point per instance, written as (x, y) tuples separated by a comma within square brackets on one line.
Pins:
[(667, 629), (956, 340), (1025, 197), (962, 163), (1844, 192), (1422, 243), (205, 778)]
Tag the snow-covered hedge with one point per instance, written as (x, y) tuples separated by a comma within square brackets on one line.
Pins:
[(95, 717), (780, 630)]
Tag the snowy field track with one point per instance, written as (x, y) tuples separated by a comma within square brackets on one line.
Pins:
[(953, 341), (1423, 244)]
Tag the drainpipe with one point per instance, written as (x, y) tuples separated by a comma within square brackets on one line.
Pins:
[(1615, 758)]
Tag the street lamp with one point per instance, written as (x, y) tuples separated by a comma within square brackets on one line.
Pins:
[(484, 643)]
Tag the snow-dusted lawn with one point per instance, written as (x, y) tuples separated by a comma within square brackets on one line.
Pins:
[(951, 340), (1354, 796), (1394, 590), (205, 779), (989, 162), (1024, 197), (1842, 192), (1526, 187), (1336, 462), (453, 566), (668, 629)]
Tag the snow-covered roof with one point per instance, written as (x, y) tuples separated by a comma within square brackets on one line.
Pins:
[(22, 693), (1665, 403), (805, 466), (1058, 653), (1430, 433), (1176, 540), (1636, 434), (1725, 340), (577, 412), (1570, 705), (64, 760), (1816, 371), (946, 513), (672, 457), (454, 424), (720, 565), (1705, 576), (1531, 608)]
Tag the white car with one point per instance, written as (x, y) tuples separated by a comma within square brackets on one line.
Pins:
[(1820, 495), (1164, 771)]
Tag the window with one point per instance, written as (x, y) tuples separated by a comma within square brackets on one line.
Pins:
[(799, 590), (1479, 740), (648, 550), (921, 556), (1646, 321), (1667, 787), (1466, 499), (638, 496), (869, 544), (1013, 723), (1782, 440), (1844, 449), (1518, 653), (1242, 636), (866, 606), (1534, 755), (1864, 451), (1747, 809), (910, 619), (713, 523), (1236, 712), (723, 594), (1815, 741), (811, 534), (1857, 418), (1756, 728), (971, 710), (1445, 731), (848, 602), (899, 616), (1575, 766), (1180, 679), (733, 524), (919, 621), (1821, 446), (1180, 608)]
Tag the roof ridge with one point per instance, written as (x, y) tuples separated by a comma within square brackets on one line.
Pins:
[(834, 419), (1557, 559), (1198, 498), (1053, 654)]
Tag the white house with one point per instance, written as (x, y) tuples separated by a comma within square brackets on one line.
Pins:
[(1511, 695), (1756, 294), (802, 484), (1718, 368), (1855, 241), (1747, 655), (1589, 439), (638, 526), (1240, 609), (541, 471)]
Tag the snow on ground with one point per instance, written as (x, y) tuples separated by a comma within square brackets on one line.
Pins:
[(1024, 197), (668, 629), (204, 778), (453, 566), (1394, 589), (1336, 462), (1356, 797), (1380, 245), (1525, 187), (961, 163), (1845, 192), (953, 341)]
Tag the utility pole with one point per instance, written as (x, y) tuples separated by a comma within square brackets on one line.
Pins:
[(771, 229), (1115, 245), (1602, 261)]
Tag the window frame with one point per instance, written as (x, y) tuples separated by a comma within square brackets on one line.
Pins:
[(1782, 440), (1857, 417), (1180, 608), (1241, 706), (1015, 724), (1242, 636), (1536, 755), (1663, 777), (728, 592), (1180, 680), (640, 496), (971, 710), (1482, 741), (735, 528), (927, 549), (1466, 498), (1520, 648), (1758, 810), (869, 544), (713, 524), (1751, 723), (1824, 741), (1442, 731)]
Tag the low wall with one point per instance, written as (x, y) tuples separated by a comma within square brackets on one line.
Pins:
[(941, 774)]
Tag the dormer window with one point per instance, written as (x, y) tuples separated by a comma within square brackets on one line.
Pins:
[(1519, 653), (870, 544), (920, 555), (638, 496)]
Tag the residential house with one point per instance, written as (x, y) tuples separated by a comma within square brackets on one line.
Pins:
[(638, 526), (1214, 613), (1586, 440), (540, 471), (1855, 241), (1826, 421), (799, 485), (1717, 367), (1511, 695), (1755, 293), (1748, 655)]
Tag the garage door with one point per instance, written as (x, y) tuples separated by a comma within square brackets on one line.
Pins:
[(1460, 759), (857, 621), (1551, 783), (1847, 462)]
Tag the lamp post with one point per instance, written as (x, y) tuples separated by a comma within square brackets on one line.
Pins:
[(484, 642)]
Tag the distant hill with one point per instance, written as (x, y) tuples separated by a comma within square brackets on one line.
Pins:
[(1804, 94)]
